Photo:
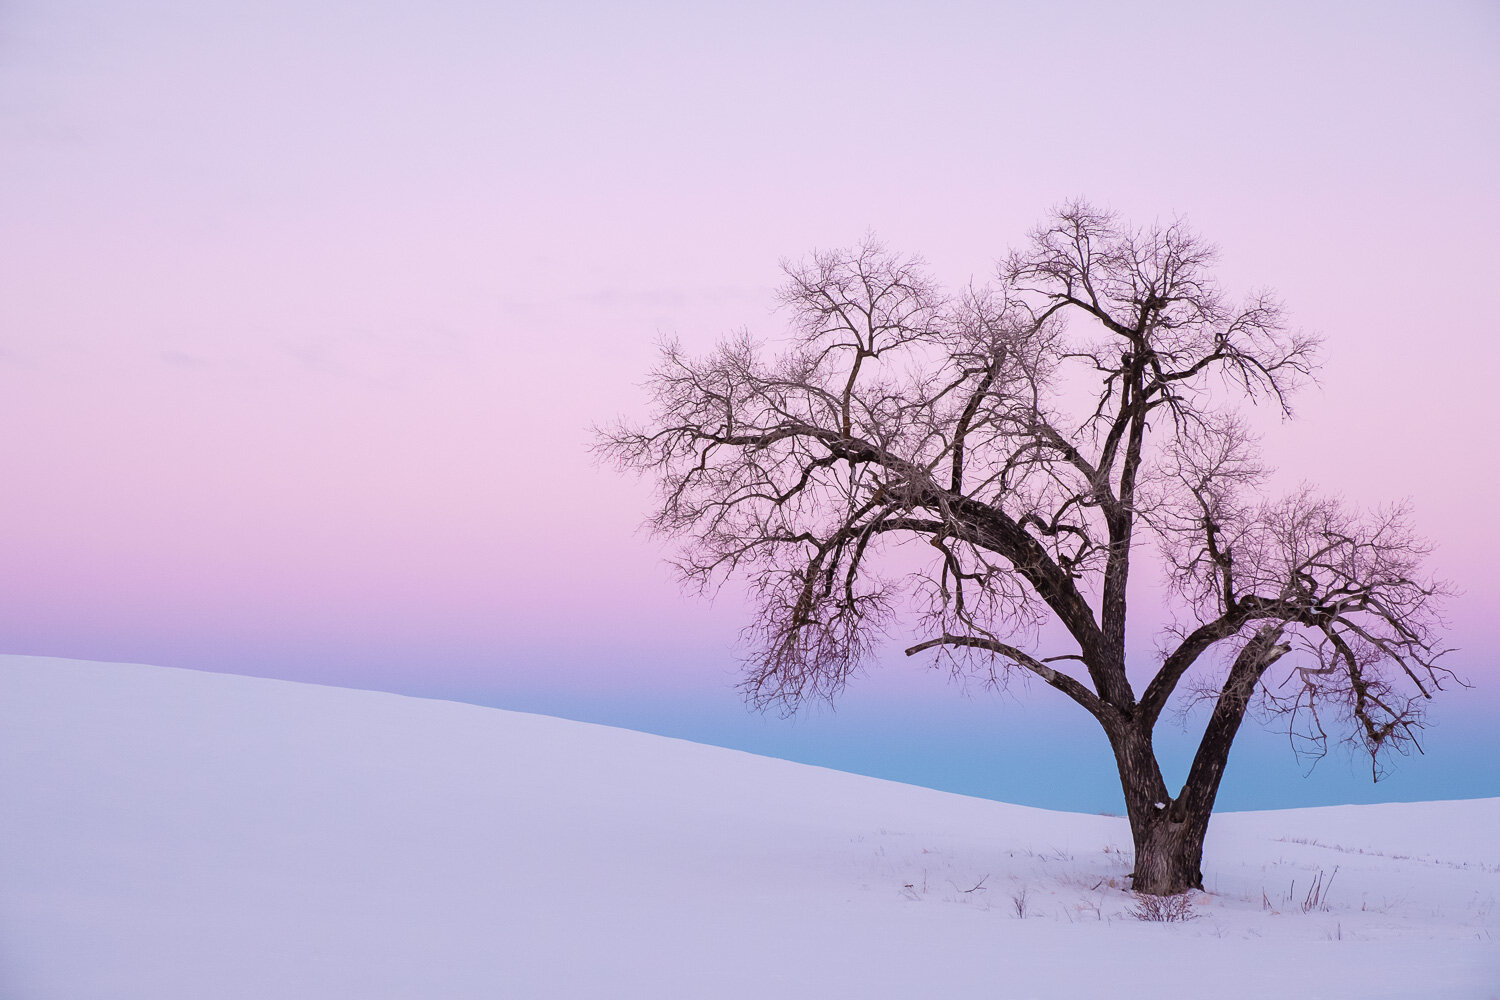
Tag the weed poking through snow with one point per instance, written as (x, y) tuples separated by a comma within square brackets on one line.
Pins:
[(1163, 909)]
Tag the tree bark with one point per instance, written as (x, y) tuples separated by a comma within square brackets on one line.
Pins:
[(1168, 832), (1169, 850)]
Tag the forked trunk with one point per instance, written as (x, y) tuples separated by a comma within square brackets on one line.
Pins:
[(1167, 833)]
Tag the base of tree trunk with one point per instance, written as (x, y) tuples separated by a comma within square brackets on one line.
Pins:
[(1168, 857)]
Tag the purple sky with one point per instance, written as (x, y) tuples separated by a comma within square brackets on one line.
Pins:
[(306, 309)]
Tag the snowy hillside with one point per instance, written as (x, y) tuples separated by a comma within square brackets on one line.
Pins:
[(168, 834)]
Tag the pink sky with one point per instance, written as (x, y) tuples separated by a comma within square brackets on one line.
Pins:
[(306, 310)]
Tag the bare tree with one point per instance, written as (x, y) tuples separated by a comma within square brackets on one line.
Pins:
[(973, 466)]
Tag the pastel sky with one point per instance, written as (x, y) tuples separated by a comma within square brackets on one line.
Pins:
[(306, 311)]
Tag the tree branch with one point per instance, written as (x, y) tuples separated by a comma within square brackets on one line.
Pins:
[(1061, 681)]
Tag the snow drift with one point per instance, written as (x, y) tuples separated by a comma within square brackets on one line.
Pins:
[(172, 834)]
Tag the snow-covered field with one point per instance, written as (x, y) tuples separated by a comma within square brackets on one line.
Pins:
[(170, 834)]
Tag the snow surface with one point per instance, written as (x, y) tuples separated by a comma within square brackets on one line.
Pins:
[(172, 834)]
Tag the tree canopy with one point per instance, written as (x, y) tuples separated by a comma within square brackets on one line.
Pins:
[(966, 466)]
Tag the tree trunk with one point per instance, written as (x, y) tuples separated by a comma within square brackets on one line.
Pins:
[(1168, 849), (1168, 833)]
